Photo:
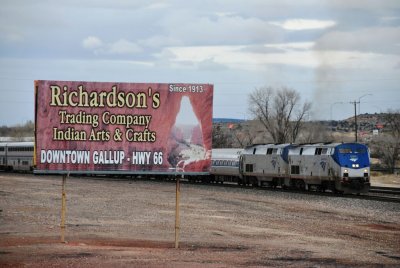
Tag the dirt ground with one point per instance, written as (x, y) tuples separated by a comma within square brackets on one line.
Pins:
[(387, 180), (130, 223)]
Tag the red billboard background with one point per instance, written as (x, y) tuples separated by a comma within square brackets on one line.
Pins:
[(123, 127)]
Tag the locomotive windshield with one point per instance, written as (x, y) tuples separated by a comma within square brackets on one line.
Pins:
[(355, 150)]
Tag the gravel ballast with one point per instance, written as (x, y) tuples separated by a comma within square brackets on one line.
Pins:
[(131, 223)]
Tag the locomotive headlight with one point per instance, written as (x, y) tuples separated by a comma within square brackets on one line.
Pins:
[(365, 170), (345, 174)]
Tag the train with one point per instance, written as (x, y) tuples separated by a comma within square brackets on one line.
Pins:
[(16, 156), (337, 167)]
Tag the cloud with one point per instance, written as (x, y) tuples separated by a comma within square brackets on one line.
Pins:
[(10, 33), (92, 42), (123, 46), (225, 14), (210, 65), (390, 19), (385, 40), (159, 41), (13, 37), (199, 29), (261, 49), (239, 57), (304, 24), (160, 5), (292, 46), (120, 47), (301, 54)]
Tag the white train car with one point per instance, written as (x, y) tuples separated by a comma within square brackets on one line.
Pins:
[(16, 156), (265, 164), (225, 165)]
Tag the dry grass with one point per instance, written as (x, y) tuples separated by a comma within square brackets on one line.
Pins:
[(378, 178)]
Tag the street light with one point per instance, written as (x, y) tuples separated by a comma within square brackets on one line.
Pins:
[(355, 112), (359, 103)]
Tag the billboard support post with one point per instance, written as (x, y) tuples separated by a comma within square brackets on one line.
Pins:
[(177, 217), (63, 207)]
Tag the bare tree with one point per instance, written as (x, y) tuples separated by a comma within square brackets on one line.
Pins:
[(387, 149), (244, 135), (221, 139), (314, 132), (392, 119), (387, 145), (279, 111)]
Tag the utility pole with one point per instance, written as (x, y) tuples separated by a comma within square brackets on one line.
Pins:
[(355, 117)]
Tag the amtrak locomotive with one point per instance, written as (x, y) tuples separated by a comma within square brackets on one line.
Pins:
[(339, 167)]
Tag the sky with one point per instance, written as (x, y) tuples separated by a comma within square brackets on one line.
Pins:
[(331, 52)]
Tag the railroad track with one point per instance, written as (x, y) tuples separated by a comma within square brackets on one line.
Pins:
[(388, 194), (377, 193), (382, 194), (385, 190)]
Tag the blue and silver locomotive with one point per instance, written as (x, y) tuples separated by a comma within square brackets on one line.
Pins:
[(339, 167)]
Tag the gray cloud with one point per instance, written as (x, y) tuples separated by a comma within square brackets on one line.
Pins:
[(262, 49), (383, 40)]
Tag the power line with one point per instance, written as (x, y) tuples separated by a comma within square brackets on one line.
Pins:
[(316, 81)]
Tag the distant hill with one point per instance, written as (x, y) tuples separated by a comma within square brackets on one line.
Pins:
[(226, 120), (368, 121)]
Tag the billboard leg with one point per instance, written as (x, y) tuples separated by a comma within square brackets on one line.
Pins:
[(63, 207), (177, 218)]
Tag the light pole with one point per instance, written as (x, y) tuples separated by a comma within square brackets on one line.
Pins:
[(359, 103), (355, 112), (355, 117)]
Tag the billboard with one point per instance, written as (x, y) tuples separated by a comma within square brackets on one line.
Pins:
[(101, 127)]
